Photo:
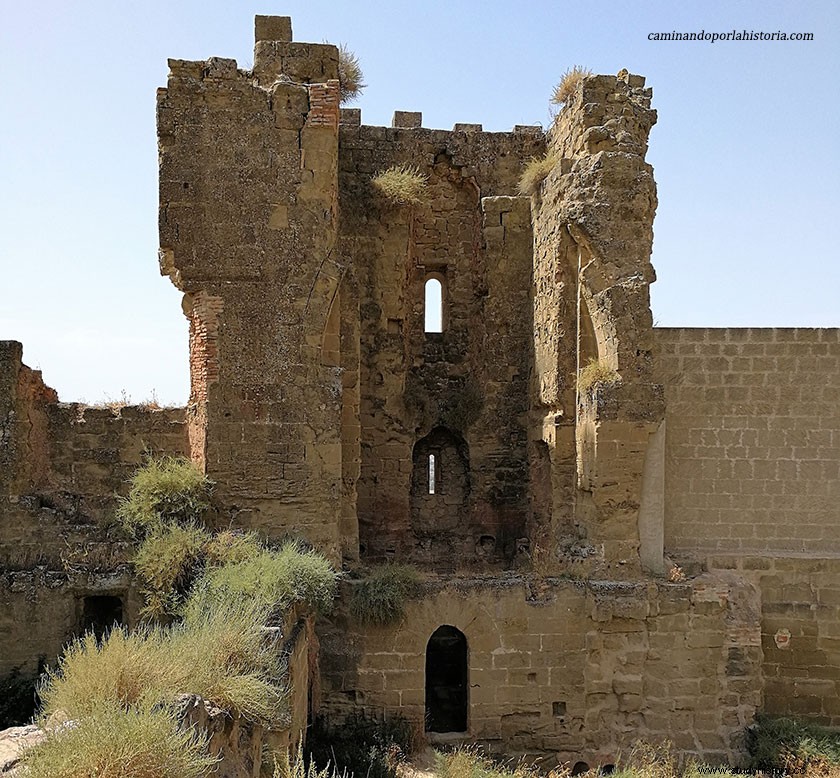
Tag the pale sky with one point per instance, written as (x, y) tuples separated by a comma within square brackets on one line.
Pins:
[(745, 152)]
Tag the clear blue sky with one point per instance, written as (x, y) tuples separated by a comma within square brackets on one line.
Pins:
[(745, 151)]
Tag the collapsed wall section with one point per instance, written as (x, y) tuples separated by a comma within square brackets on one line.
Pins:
[(248, 220), (447, 404), (593, 218), (62, 567)]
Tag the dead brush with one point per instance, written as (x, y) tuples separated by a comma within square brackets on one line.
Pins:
[(596, 372), (568, 84), (535, 172), (350, 77), (402, 184)]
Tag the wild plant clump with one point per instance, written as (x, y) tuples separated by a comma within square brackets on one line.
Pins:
[(535, 172), (114, 742), (163, 491), (275, 580), (381, 597), (402, 184), (596, 372), (350, 76), (784, 745), (568, 84)]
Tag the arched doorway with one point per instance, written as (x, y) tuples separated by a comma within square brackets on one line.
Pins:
[(447, 681)]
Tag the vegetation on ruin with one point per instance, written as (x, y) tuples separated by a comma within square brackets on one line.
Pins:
[(402, 184), (226, 594), (535, 172), (350, 77), (114, 742), (300, 767), (596, 372), (361, 745), (164, 490), (274, 579), (568, 84), (380, 598), (792, 746)]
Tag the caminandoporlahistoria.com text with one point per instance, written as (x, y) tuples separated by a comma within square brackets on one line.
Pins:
[(733, 35)]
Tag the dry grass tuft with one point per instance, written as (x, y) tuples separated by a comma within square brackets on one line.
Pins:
[(116, 743), (535, 172), (402, 184), (380, 598), (596, 372), (568, 84), (350, 76)]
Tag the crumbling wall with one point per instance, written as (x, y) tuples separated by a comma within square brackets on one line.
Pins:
[(469, 382), (593, 219), (578, 670), (62, 467), (248, 218)]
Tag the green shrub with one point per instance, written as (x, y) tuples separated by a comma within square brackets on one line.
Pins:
[(350, 77), (167, 562), (361, 745), (568, 84), (380, 598), (232, 546), (165, 490), (273, 579), (402, 185), (112, 742), (792, 746), (535, 172), (596, 372)]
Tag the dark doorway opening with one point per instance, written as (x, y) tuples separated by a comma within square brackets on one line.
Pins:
[(100, 613), (446, 681)]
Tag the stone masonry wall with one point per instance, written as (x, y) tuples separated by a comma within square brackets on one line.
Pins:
[(752, 440), (248, 219), (62, 465), (578, 670), (467, 385), (752, 483), (593, 218)]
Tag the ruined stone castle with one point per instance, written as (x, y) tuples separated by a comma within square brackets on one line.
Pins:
[(655, 554)]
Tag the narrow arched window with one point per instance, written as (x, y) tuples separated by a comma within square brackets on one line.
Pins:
[(431, 473), (434, 305)]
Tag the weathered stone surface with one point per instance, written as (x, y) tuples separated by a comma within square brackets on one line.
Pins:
[(541, 511)]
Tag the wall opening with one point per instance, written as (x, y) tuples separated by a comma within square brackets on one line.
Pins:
[(100, 613), (433, 305), (447, 681), (439, 482)]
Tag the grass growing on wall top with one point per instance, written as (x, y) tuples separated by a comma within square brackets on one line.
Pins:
[(381, 597), (568, 84), (350, 76), (402, 185), (535, 172)]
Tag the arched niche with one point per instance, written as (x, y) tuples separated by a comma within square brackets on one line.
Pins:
[(440, 482)]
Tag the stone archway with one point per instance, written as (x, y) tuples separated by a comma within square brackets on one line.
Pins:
[(447, 681)]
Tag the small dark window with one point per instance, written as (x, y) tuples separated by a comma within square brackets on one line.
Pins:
[(100, 613), (580, 768)]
